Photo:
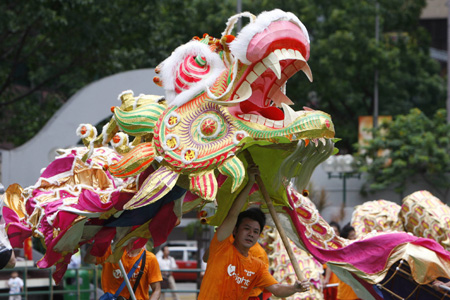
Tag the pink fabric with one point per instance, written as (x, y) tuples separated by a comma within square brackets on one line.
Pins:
[(163, 223), (103, 240), (16, 230), (369, 255), (58, 166), (189, 197)]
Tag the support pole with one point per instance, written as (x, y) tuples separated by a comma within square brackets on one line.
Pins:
[(277, 222), (125, 277)]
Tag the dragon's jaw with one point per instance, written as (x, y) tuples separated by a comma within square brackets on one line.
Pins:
[(258, 100), (259, 92)]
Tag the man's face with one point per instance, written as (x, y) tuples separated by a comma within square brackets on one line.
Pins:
[(166, 251), (247, 233), (352, 235)]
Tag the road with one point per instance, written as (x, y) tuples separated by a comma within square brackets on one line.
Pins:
[(184, 286)]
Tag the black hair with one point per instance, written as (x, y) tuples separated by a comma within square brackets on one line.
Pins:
[(335, 224), (346, 230), (253, 213)]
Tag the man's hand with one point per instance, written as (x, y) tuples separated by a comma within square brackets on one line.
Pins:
[(302, 286), (284, 290), (253, 171), (227, 226)]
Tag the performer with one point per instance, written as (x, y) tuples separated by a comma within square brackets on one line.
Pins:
[(257, 251), (112, 276), (258, 293), (330, 293), (345, 292), (231, 272)]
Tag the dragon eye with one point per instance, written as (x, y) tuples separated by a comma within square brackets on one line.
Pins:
[(200, 61)]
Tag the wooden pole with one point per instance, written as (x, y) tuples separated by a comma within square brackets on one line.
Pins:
[(277, 222)]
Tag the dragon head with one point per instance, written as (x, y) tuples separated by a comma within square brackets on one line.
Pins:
[(222, 96), (247, 76)]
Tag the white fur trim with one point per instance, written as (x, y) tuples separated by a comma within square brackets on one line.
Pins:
[(239, 46), (89, 130), (235, 140), (190, 161), (168, 137), (172, 114), (169, 71), (123, 93)]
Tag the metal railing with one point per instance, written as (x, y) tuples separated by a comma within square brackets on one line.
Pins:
[(75, 290)]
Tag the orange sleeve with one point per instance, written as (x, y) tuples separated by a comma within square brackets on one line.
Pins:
[(266, 279), (154, 273)]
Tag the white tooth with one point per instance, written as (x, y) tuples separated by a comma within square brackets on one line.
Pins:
[(241, 116), (244, 91), (261, 120), (272, 62), (299, 56), (251, 77), (269, 123), (303, 65), (285, 53), (247, 117), (259, 68), (278, 124), (307, 70), (323, 141), (291, 53), (279, 55), (289, 114), (254, 118)]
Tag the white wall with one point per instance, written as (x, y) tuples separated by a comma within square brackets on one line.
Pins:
[(89, 105)]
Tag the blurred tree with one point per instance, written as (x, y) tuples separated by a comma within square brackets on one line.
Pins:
[(418, 151), (50, 49)]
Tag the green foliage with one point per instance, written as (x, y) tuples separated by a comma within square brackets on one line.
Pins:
[(418, 150), (195, 229)]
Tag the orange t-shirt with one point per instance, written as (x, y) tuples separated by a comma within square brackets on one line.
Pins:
[(258, 251), (345, 292), (230, 275), (112, 276)]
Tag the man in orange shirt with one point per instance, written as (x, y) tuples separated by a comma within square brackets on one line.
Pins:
[(258, 293), (231, 272), (112, 276)]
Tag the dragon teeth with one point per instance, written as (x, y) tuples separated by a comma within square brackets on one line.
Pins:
[(273, 63), (259, 68), (244, 91)]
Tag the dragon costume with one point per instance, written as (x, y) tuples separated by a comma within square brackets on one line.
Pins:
[(224, 98)]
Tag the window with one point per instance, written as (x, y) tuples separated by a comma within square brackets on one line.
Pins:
[(177, 254), (192, 255)]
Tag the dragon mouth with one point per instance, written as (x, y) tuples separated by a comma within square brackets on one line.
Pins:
[(259, 95)]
